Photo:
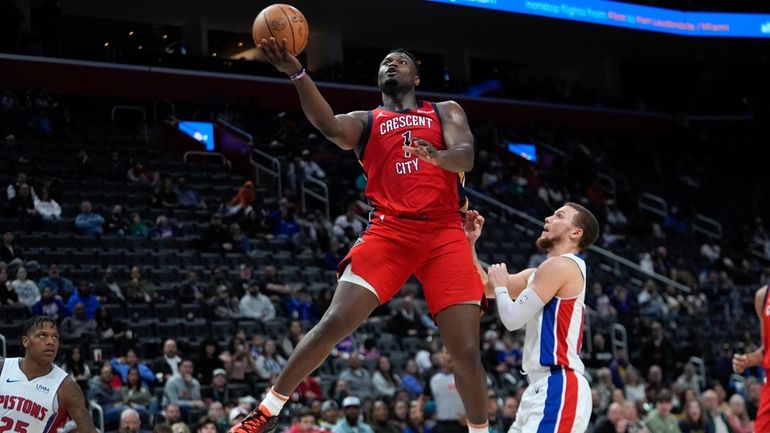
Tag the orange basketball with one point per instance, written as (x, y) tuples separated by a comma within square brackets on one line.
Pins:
[(281, 21)]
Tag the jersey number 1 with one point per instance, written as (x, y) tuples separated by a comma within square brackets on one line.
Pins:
[(6, 424), (407, 142)]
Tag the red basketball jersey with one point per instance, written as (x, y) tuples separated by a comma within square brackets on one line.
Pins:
[(398, 183), (766, 330)]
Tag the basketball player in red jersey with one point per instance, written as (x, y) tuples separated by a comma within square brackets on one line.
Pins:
[(414, 154), (35, 394), (742, 361)]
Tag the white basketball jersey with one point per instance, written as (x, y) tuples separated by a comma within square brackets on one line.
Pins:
[(554, 336), (28, 405)]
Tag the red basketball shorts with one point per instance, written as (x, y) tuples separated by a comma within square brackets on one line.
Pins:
[(391, 249)]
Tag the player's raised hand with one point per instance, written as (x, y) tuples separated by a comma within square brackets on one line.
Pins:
[(423, 149), (498, 275), (279, 56), (472, 225)]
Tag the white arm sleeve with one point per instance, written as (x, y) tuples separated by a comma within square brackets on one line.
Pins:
[(515, 314)]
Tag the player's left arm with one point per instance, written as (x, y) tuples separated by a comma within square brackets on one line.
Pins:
[(458, 155), (551, 276), (71, 397)]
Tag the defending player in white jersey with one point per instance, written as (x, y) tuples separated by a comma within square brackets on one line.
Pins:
[(549, 300), (35, 394)]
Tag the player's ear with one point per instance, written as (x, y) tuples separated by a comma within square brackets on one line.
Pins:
[(416, 80)]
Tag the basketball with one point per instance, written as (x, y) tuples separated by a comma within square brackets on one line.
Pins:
[(281, 21)]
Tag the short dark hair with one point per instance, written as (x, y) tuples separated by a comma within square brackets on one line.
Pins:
[(663, 396), (37, 322), (587, 222), (408, 54)]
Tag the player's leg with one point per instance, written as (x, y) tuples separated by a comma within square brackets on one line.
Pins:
[(453, 291), (351, 305), (459, 327)]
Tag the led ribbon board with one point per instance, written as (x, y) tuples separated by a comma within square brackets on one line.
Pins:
[(714, 24)]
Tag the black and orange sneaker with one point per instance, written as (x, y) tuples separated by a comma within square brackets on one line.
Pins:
[(256, 422)]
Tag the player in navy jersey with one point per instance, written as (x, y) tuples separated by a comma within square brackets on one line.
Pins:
[(414, 154), (35, 394)]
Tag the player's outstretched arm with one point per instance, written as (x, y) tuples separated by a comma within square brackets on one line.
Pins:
[(71, 397), (344, 130), (742, 361), (458, 155)]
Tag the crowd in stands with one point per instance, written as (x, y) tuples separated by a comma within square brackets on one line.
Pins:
[(231, 323)]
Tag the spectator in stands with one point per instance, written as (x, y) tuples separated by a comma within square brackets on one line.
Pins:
[(164, 228), (634, 387), (292, 338), (78, 327), (657, 349), (137, 289), (615, 216), (738, 417), (61, 287), (331, 258), (651, 302), (167, 365), (76, 367), (244, 280), (215, 238), (242, 200), (411, 381), (183, 389), (600, 356), (13, 189), (50, 306), (300, 306), (351, 407), (238, 239), (136, 227), (406, 321), (510, 407), (380, 419), (716, 420), (660, 419), (386, 382), (208, 360), (689, 379), (369, 350), (269, 362), (7, 294), (22, 206), (217, 413), (217, 391), (124, 364), (171, 414), (88, 222), (140, 174), (130, 422), (187, 196), (224, 306), (10, 254), (308, 392), (270, 284), (46, 207), (415, 422), (206, 425), (255, 305), (345, 348), (614, 422), (116, 222), (329, 415), (631, 413), (112, 331), (135, 391), (359, 379), (26, 290), (347, 226), (83, 296), (100, 390), (192, 290), (108, 289)]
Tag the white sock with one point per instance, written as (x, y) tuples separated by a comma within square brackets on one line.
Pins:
[(478, 428), (273, 403)]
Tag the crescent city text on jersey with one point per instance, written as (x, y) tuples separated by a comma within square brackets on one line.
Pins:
[(404, 121)]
